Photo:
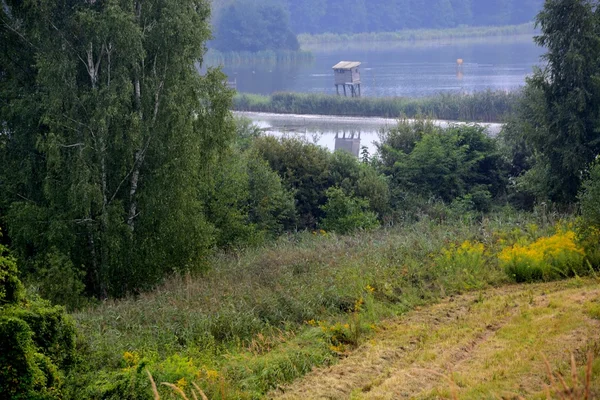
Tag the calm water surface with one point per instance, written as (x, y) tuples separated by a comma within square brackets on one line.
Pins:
[(333, 132), (402, 70)]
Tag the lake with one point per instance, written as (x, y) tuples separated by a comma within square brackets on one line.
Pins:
[(334, 132), (400, 69)]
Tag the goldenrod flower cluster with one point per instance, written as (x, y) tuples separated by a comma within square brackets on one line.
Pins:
[(467, 255), (547, 256)]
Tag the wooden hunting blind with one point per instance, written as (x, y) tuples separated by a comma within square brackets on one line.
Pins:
[(347, 74)]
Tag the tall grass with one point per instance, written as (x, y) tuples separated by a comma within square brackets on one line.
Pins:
[(412, 35), (487, 106), (262, 317), (215, 57)]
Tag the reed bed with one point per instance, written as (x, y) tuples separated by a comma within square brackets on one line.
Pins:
[(487, 106)]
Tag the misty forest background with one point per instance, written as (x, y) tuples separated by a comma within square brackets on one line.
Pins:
[(253, 25)]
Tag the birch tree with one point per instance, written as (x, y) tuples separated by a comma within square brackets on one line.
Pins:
[(123, 129)]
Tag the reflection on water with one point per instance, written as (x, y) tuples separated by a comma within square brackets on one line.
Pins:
[(349, 143), (412, 71), (334, 132)]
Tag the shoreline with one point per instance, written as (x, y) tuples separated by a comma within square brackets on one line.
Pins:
[(303, 120)]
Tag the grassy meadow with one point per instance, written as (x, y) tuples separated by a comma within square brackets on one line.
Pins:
[(485, 106), (261, 318)]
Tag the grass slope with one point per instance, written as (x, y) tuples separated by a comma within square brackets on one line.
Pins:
[(261, 318), (487, 344)]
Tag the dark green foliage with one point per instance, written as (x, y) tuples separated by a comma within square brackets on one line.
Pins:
[(270, 206), (37, 341), (459, 162), (589, 197), (53, 330), (107, 134), (485, 106), (562, 120), (11, 289), (251, 26), (304, 169), (246, 202), (308, 171), (345, 214), (20, 375), (523, 273), (360, 180)]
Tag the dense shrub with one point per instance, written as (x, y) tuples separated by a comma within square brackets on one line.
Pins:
[(345, 214), (460, 162), (247, 202), (36, 340), (309, 171), (589, 198), (304, 168)]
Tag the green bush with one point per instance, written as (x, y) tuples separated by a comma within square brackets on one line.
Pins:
[(589, 198), (304, 169), (247, 202), (21, 374), (59, 281), (308, 171), (11, 289), (460, 163), (345, 214), (37, 341)]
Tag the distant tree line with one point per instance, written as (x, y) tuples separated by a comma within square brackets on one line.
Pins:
[(254, 26), (354, 16)]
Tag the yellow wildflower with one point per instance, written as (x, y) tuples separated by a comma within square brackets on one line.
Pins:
[(358, 304), (131, 358), (182, 383), (211, 374)]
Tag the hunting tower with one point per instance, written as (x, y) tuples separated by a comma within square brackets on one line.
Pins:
[(347, 75)]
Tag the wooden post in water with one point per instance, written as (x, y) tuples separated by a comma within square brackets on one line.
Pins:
[(459, 69)]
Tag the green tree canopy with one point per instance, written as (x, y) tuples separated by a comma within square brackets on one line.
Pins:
[(251, 26), (562, 125), (107, 132)]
